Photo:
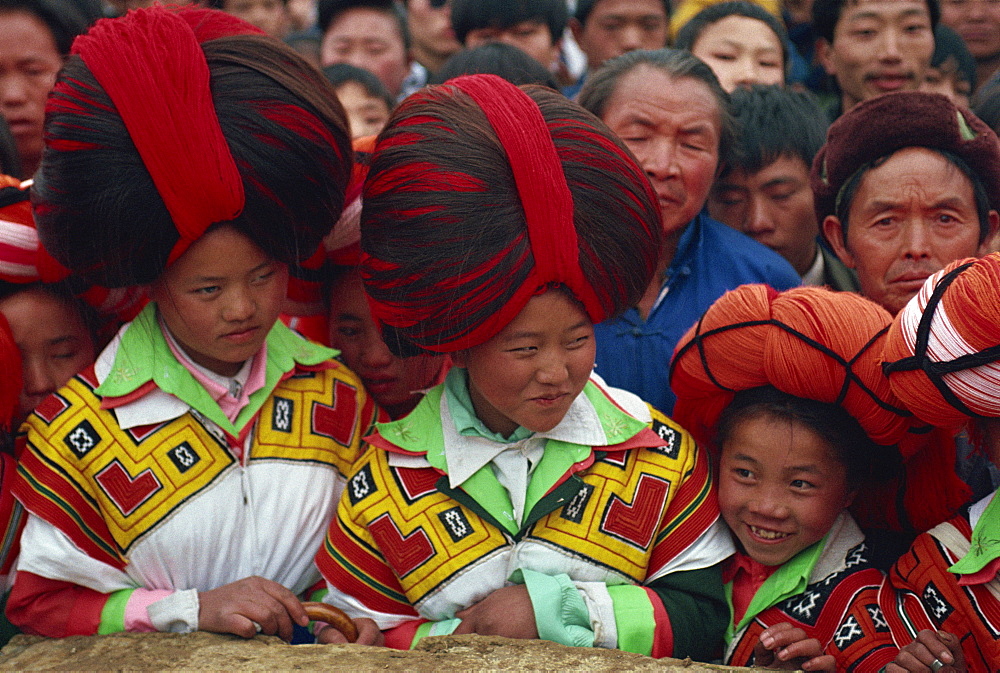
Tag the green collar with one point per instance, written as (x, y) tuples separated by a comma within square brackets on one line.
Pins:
[(143, 355), (985, 543), (790, 579), (421, 432)]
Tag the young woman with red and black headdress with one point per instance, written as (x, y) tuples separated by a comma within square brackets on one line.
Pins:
[(522, 497), (185, 480), (787, 389)]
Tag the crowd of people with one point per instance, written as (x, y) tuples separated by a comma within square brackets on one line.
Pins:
[(665, 327)]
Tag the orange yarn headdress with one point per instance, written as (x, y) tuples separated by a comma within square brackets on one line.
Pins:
[(943, 351), (808, 341)]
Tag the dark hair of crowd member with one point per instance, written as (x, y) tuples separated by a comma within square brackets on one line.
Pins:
[(10, 161), (677, 64), (850, 188), (469, 15), (65, 19), (342, 73), (950, 51), (496, 58), (220, 4), (843, 434), (773, 122), (98, 210), (986, 104), (439, 166), (329, 10), (691, 31), (826, 14), (585, 7)]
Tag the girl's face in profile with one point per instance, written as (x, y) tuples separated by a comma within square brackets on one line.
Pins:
[(394, 382), (53, 340), (781, 487), (529, 374), (221, 298)]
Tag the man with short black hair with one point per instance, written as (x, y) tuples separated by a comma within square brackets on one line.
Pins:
[(431, 35), (872, 47), (764, 191), (369, 34), (534, 26), (35, 38), (607, 28), (978, 24)]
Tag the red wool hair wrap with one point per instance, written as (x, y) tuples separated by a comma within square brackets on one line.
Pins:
[(173, 123), (168, 121), (482, 195), (545, 197), (808, 341)]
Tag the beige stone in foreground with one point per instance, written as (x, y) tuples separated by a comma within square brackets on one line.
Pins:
[(209, 651)]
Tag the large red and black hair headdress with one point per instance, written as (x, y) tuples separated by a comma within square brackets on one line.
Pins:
[(482, 195), (166, 122)]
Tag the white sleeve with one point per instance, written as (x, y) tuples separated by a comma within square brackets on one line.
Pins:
[(48, 552)]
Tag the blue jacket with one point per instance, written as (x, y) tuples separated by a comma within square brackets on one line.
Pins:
[(711, 258)]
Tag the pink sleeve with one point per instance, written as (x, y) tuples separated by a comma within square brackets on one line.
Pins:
[(136, 613)]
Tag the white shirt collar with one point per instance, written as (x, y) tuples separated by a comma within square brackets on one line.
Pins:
[(814, 276), (466, 455)]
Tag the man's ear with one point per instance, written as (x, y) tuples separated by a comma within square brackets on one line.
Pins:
[(835, 236), (989, 242), (824, 51), (576, 29)]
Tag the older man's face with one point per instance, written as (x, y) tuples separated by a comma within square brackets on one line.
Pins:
[(909, 218)]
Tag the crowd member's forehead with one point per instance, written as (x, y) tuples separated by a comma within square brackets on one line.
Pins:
[(629, 91), (585, 8), (469, 15)]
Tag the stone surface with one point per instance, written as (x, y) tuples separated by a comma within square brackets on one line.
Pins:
[(208, 651)]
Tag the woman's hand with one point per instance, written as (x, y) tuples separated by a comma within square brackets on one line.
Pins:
[(931, 652), (786, 647), (250, 606)]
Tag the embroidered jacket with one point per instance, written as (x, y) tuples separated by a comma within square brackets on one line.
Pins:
[(631, 522), (833, 593), (930, 596), (149, 495)]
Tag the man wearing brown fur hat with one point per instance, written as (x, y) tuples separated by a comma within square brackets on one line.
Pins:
[(905, 184)]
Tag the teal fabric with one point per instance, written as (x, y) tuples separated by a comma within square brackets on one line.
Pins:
[(561, 615)]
